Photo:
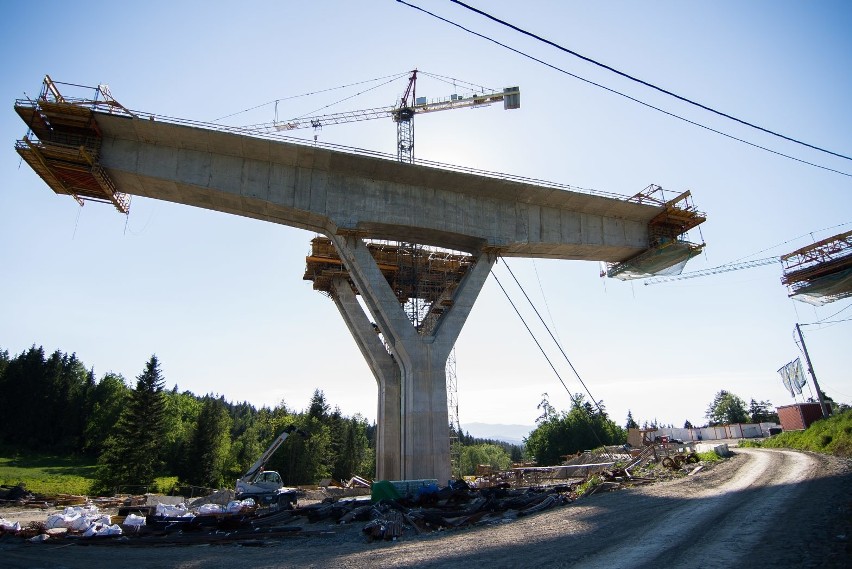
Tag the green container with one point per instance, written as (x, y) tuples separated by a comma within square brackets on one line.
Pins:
[(383, 490)]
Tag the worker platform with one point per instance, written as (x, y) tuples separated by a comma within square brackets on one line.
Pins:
[(820, 272), (667, 252), (416, 241), (67, 146), (423, 279)]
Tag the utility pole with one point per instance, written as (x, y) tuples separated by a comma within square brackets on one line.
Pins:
[(822, 403)]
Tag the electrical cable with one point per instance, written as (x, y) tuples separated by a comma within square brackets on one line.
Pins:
[(615, 92), (541, 349), (647, 84)]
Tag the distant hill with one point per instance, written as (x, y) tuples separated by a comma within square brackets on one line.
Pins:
[(509, 433)]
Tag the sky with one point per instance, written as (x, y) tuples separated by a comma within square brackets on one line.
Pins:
[(221, 301)]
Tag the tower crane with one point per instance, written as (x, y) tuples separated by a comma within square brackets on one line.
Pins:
[(402, 113)]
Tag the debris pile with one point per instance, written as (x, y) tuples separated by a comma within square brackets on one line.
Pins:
[(20, 496), (386, 514)]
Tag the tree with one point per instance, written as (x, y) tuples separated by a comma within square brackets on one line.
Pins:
[(687, 424), (548, 412), (132, 453), (727, 408), (568, 432), (631, 424), (209, 445), (761, 412), (318, 406), (106, 400), (494, 456)]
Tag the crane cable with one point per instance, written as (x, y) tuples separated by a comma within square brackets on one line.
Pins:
[(276, 101), (552, 337), (626, 96), (311, 113), (647, 84), (550, 363)]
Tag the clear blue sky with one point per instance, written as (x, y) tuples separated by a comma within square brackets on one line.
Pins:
[(221, 300)]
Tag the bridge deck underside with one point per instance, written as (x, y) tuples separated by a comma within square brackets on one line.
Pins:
[(329, 191)]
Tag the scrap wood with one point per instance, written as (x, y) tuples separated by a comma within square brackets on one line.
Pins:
[(548, 502), (603, 486), (415, 524)]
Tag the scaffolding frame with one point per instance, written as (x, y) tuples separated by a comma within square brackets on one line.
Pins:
[(63, 143), (820, 272), (424, 279), (667, 251)]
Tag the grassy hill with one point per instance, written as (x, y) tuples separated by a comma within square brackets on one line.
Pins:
[(51, 474), (831, 436)]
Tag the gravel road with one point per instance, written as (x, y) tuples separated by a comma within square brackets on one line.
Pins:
[(761, 508)]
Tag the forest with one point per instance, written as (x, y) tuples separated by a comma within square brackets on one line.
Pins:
[(139, 430)]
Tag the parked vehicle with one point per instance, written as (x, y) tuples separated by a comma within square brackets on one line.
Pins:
[(266, 487)]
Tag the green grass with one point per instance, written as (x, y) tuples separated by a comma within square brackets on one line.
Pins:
[(164, 484), (46, 474), (709, 456), (830, 436), (588, 485), (50, 475)]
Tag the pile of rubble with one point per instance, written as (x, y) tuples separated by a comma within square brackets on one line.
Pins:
[(384, 515), (429, 509)]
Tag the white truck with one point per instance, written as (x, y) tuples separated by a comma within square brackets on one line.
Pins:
[(265, 487)]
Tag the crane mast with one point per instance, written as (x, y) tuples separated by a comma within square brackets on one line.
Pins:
[(403, 116), (402, 113)]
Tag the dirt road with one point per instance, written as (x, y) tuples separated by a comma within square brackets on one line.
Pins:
[(762, 508)]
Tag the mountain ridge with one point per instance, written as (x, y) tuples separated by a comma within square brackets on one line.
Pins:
[(511, 433)]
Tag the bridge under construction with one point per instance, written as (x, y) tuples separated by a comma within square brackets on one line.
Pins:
[(415, 241)]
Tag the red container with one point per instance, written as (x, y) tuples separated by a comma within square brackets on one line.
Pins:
[(798, 417)]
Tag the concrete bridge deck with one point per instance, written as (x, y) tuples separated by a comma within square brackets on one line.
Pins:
[(330, 191)]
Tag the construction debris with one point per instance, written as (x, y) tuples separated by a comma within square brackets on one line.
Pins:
[(389, 513)]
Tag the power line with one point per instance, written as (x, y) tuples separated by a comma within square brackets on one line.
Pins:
[(645, 83), (615, 92)]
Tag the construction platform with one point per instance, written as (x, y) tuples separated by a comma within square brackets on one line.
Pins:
[(418, 275), (667, 252), (821, 272), (65, 152)]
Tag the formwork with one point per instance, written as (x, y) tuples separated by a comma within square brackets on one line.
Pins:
[(63, 145), (821, 272), (423, 279), (667, 251)]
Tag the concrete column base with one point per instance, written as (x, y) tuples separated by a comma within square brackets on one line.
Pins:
[(423, 425)]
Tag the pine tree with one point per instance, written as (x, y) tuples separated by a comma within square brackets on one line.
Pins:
[(727, 408), (132, 453), (209, 445)]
